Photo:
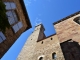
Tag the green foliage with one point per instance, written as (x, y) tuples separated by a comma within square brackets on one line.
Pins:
[(3, 18)]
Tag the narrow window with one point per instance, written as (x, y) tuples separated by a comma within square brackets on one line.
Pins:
[(41, 58), (51, 38), (42, 42), (54, 56), (77, 20)]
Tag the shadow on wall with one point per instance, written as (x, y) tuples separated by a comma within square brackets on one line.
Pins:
[(71, 50)]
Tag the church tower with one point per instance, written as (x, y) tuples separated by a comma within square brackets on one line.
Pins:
[(29, 46)]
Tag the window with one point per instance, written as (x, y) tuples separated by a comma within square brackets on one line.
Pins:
[(2, 37), (42, 42), (11, 12), (13, 17), (10, 5), (17, 26), (54, 55), (41, 58), (13, 20), (77, 20), (51, 38)]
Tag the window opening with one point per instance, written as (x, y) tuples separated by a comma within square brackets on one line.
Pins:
[(41, 58), (77, 20), (54, 55)]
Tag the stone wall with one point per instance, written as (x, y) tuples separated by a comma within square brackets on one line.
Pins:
[(33, 50), (11, 37), (50, 45), (29, 47), (68, 29)]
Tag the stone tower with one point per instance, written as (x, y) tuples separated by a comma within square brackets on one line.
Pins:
[(38, 46), (30, 44)]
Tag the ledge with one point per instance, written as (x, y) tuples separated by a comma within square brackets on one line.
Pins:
[(66, 17), (25, 14)]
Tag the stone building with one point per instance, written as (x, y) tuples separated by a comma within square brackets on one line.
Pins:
[(63, 45), (19, 23)]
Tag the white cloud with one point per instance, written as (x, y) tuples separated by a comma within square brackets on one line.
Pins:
[(28, 2), (38, 21)]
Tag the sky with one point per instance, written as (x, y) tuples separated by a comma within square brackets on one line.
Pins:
[(46, 12)]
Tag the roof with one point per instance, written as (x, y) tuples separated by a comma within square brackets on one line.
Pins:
[(66, 17), (25, 14)]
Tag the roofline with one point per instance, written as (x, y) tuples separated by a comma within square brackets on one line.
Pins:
[(46, 37), (39, 25), (66, 17), (25, 14)]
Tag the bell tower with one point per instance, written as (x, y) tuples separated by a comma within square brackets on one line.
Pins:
[(29, 46)]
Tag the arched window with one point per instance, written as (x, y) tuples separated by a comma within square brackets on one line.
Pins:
[(54, 55), (41, 58), (77, 19)]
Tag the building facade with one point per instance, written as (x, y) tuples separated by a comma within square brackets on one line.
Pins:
[(68, 32), (19, 23), (63, 45)]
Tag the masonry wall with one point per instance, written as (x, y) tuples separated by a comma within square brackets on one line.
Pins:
[(11, 37), (68, 29), (34, 48), (65, 43), (46, 47), (28, 49)]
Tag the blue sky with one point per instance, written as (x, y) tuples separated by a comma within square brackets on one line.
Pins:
[(45, 12)]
